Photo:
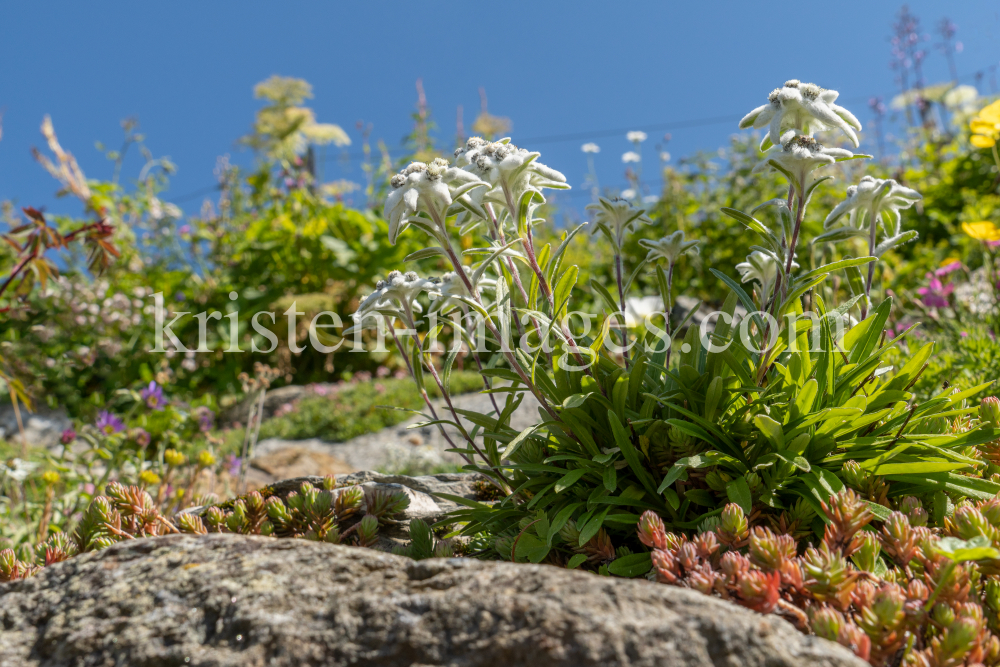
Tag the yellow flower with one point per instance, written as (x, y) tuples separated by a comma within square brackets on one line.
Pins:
[(986, 126), (949, 261), (981, 231), (148, 478), (50, 477), (174, 458), (205, 459)]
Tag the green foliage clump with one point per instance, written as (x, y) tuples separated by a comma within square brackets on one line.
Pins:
[(359, 409)]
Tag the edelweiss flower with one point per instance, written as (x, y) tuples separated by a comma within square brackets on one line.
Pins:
[(450, 287), (803, 107), (761, 268), (615, 216), (505, 166), (881, 198), (670, 247), (396, 296), (424, 187), (636, 136), (631, 156), (799, 155), (590, 147)]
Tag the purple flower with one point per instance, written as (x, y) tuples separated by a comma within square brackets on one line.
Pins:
[(153, 395), (935, 295), (233, 465), (185, 229), (109, 424), (139, 435), (68, 436), (206, 420)]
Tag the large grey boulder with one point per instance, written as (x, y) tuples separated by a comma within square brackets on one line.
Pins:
[(235, 600)]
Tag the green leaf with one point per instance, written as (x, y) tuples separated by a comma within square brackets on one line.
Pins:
[(960, 551), (569, 479), (576, 561), (630, 453), (738, 492), (610, 478), (632, 565)]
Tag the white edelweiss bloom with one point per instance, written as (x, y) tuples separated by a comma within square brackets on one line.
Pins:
[(762, 269), (450, 286), (799, 155), (670, 247), (803, 107), (628, 193), (396, 294), (665, 156), (590, 147), (615, 216), (636, 136), (497, 162), (881, 198), (422, 187), (631, 156)]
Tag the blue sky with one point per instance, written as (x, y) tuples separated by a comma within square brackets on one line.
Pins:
[(187, 69)]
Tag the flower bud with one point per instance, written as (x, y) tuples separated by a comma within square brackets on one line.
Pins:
[(826, 623), (68, 436), (914, 511), (717, 481), (760, 591), (989, 411), (50, 477), (769, 551), (733, 530), (651, 530), (191, 523), (866, 549)]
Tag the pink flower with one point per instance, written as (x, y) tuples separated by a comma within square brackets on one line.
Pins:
[(935, 295), (951, 267)]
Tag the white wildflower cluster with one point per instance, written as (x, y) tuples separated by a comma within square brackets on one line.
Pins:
[(804, 108), (792, 114)]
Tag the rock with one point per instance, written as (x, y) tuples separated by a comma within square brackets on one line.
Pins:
[(296, 461), (43, 427), (423, 504), (273, 399), (229, 600)]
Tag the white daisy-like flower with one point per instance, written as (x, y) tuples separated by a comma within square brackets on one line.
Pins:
[(628, 193), (665, 156), (762, 269), (590, 147), (881, 198), (799, 155), (18, 469), (670, 247), (803, 107), (614, 217), (631, 156), (424, 187), (636, 136)]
